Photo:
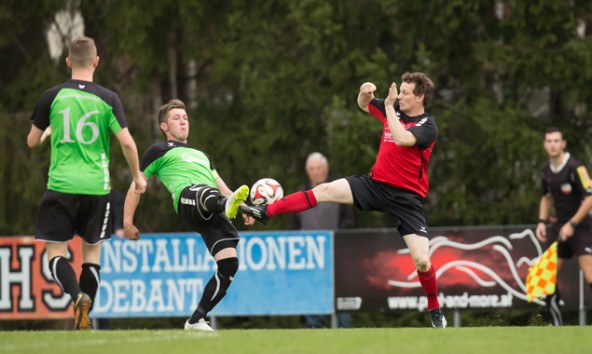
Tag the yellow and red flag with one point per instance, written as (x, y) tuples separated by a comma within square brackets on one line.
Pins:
[(542, 276)]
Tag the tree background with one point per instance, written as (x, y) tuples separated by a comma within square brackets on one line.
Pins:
[(268, 82)]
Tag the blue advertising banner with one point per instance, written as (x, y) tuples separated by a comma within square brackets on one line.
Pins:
[(163, 275)]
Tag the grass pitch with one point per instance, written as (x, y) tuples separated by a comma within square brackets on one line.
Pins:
[(480, 340)]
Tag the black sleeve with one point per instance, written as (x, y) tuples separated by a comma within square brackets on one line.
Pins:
[(118, 111), (425, 132), (212, 166), (152, 153), (40, 116), (378, 103), (546, 190)]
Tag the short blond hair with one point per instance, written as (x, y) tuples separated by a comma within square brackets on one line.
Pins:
[(82, 52)]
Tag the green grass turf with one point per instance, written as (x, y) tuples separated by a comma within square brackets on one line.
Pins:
[(505, 340)]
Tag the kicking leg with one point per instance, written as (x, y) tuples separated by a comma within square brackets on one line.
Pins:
[(338, 191)]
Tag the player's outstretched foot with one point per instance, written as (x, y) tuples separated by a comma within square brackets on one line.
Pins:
[(232, 202), (438, 319), (258, 212), (200, 325), (82, 307)]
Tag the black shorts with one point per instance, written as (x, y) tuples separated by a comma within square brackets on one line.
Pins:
[(580, 243), (215, 229), (404, 206), (64, 215)]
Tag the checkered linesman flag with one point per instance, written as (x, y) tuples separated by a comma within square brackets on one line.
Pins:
[(542, 276)]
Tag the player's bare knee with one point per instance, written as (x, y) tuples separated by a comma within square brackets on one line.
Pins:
[(422, 263)]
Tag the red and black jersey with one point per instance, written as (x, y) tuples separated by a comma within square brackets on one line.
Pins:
[(568, 184), (401, 166)]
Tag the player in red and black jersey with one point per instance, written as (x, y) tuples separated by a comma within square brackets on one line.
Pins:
[(567, 188), (398, 182)]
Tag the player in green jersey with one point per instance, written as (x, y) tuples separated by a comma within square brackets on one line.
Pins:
[(81, 115), (200, 197)]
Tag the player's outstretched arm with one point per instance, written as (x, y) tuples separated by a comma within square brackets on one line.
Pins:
[(130, 151), (132, 199), (366, 95)]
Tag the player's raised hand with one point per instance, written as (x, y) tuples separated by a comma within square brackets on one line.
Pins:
[(392, 96), (367, 88), (131, 232)]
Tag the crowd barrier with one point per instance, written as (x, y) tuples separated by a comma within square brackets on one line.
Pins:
[(289, 273)]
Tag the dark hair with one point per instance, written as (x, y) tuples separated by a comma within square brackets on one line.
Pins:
[(82, 52), (423, 85), (553, 130), (164, 110)]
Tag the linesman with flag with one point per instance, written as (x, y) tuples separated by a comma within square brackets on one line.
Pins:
[(566, 189)]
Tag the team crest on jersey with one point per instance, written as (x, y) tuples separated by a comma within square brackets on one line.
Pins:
[(566, 188)]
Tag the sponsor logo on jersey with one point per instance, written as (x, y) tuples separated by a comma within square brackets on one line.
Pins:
[(388, 136), (566, 188), (193, 158)]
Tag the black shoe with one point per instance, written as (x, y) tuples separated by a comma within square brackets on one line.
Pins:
[(438, 319), (258, 212)]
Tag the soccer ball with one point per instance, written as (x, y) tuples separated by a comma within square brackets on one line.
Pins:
[(266, 191)]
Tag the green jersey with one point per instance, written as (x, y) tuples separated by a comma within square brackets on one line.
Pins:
[(178, 166), (81, 115)]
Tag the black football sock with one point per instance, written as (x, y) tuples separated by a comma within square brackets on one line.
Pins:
[(216, 288), (64, 275), (90, 278)]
